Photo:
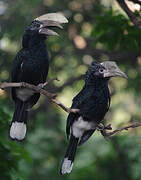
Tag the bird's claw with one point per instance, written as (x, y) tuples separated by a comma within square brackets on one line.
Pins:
[(102, 127), (41, 85), (108, 127), (23, 84)]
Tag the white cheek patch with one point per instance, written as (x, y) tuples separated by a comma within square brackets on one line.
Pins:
[(80, 126), (23, 93)]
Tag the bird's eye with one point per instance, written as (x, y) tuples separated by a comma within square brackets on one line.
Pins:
[(101, 70)]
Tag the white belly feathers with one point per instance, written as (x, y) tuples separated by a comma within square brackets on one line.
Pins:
[(23, 93), (80, 126)]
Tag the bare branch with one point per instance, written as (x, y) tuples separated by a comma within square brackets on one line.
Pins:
[(136, 1), (48, 82), (39, 89), (64, 107), (108, 134), (134, 18)]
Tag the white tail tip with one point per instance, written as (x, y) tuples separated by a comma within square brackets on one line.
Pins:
[(66, 166), (18, 130)]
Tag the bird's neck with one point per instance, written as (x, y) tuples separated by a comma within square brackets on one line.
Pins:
[(33, 42), (96, 83)]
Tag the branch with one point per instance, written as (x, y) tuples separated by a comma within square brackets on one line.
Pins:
[(134, 18), (106, 135), (48, 82), (136, 1), (39, 89), (64, 107), (57, 89)]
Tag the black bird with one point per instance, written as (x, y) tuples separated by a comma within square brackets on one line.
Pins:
[(93, 101), (31, 65)]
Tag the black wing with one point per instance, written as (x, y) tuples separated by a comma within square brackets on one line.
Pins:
[(92, 105), (15, 73), (78, 101), (17, 63), (16, 76)]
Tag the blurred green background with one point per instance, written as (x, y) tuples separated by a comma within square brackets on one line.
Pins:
[(97, 30)]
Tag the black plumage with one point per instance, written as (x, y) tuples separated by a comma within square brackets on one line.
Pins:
[(31, 65), (93, 101)]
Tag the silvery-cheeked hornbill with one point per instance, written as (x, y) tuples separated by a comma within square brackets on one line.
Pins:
[(93, 101), (31, 65)]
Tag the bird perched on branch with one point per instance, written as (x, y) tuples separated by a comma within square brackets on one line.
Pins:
[(31, 65), (93, 101)]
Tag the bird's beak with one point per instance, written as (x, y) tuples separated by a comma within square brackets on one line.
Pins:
[(115, 73), (51, 20), (120, 73), (112, 70)]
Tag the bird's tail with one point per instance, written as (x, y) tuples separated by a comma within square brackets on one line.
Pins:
[(18, 125), (69, 156)]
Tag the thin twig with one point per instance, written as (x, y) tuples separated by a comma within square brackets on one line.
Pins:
[(39, 89), (108, 134), (64, 107), (49, 81)]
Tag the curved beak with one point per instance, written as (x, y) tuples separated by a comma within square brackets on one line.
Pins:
[(112, 70), (115, 73), (120, 74), (50, 20)]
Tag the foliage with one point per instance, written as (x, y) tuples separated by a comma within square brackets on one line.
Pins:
[(121, 34), (10, 152)]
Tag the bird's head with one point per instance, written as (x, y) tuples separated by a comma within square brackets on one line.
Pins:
[(41, 25), (104, 70), (112, 70)]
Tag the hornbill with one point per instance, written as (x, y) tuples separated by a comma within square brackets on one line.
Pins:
[(31, 65), (93, 101)]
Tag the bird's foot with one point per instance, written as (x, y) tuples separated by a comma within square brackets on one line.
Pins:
[(108, 127), (102, 128), (41, 85)]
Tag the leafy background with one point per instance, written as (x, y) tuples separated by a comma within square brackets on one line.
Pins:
[(97, 30)]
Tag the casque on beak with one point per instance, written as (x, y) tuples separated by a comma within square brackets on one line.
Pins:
[(50, 20), (112, 70)]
